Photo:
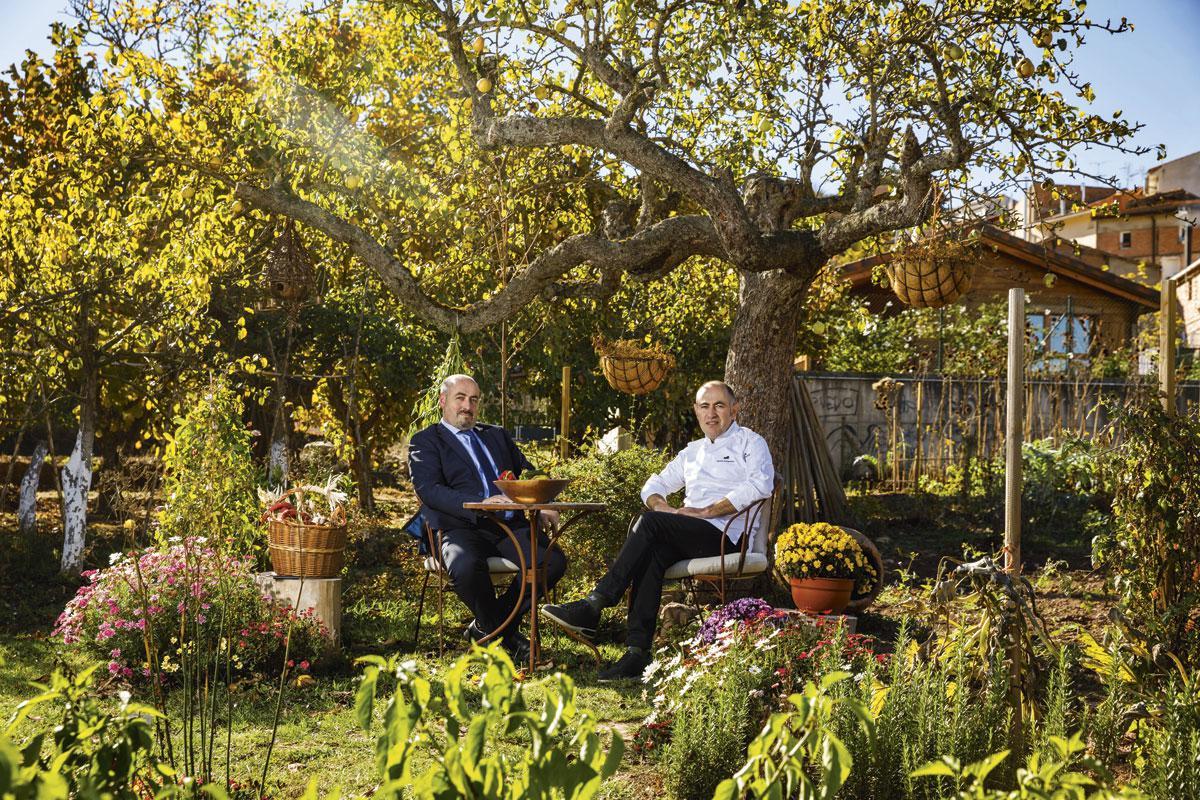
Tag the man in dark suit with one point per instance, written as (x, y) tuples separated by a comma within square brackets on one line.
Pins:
[(456, 461)]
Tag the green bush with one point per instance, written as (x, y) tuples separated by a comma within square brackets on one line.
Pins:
[(1154, 549), (1168, 753), (921, 709), (476, 737), (717, 691), (209, 478), (615, 479), (81, 750)]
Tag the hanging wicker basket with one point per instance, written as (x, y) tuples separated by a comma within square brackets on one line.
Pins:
[(289, 270), (632, 368), (931, 274), (307, 550)]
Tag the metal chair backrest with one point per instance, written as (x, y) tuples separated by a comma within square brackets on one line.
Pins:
[(763, 518)]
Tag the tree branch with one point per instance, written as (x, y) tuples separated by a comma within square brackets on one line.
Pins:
[(669, 242)]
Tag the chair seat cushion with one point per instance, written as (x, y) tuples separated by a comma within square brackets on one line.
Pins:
[(711, 565), (496, 565)]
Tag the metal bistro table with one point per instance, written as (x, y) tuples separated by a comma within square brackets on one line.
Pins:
[(532, 574)]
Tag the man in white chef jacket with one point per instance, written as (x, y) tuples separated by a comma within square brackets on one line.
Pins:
[(721, 473)]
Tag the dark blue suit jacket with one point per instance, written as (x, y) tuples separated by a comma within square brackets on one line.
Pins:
[(444, 476)]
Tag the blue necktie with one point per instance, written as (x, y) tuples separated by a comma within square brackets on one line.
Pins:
[(486, 472)]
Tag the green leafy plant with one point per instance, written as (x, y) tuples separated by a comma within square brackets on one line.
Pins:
[(86, 751), (719, 688), (796, 755), (427, 411), (1052, 777), (209, 480), (477, 737), (1154, 549)]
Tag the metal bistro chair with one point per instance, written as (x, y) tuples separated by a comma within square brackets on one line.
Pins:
[(499, 568), (748, 562)]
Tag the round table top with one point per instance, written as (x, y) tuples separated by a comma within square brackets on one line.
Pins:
[(513, 506)]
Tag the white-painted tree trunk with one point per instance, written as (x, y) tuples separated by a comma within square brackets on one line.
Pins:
[(76, 480), (277, 462), (27, 504)]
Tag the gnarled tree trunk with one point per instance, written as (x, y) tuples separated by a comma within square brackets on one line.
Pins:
[(762, 350)]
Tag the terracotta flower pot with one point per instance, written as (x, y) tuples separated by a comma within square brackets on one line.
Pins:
[(821, 595)]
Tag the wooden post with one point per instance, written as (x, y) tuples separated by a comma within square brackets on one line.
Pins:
[(1015, 430), (1166, 345), (564, 442), (916, 481)]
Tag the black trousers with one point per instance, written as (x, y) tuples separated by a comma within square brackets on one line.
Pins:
[(658, 540), (465, 552)]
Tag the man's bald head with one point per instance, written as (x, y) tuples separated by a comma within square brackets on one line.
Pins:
[(716, 385)]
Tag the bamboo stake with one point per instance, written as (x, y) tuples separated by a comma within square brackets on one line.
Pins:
[(565, 444)]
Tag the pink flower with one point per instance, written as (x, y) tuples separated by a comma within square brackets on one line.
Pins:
[(304, 665), (114, 667), (115, 653)]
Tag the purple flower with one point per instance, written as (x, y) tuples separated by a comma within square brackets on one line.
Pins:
[(746, 608)]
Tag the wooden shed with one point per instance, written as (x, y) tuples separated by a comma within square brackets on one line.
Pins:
[(1078, 307)]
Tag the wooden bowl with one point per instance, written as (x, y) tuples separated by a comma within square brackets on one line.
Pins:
[(534, 490)]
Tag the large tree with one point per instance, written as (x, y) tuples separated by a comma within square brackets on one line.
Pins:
[(104, 290), (763, 137)]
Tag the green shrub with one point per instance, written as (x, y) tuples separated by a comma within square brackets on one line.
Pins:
[(81, 750), (717, 691), (921, 709), (707, 744), (797, 754), (168, 611), (1154, 549), (1168, 752), (615, 479), (209, 478), (476, 737)]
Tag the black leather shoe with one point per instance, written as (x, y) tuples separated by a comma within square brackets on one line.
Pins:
[(629, 667), (517, 647), (578, 617), (473, 633)]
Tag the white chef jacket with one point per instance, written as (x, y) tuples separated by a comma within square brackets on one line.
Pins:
[(736, 467)]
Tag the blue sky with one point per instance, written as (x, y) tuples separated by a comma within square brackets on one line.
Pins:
[(1151, 74)]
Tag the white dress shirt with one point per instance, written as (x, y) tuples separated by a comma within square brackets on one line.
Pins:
[(736, 467)]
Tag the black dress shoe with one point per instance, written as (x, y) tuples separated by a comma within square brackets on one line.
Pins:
[(578, 617), (473, 632), (517, 647), (514, 643), (629, 667)]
